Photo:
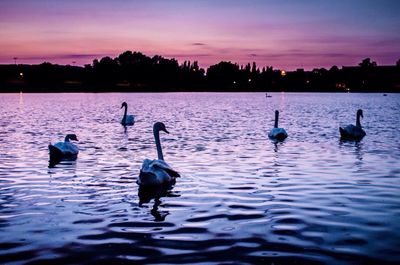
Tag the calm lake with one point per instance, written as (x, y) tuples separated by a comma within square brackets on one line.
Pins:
[(241, 198)]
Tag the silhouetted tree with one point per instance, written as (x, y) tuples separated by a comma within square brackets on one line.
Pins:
[(334, 69), (247, 68), (105, 72), (366, 63), (254, 69), (165, 72), (223, 74)]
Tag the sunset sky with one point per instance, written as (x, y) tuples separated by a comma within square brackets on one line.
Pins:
[(285, 34)]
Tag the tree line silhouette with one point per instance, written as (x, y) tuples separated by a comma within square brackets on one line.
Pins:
[(136, 72)]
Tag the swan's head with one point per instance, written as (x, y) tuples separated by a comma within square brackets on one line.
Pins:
[(159, 126), (360, 113), (72, 137), (276, 113), (124, 104)]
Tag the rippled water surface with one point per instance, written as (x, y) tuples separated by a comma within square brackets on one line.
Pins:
[(242, 199)]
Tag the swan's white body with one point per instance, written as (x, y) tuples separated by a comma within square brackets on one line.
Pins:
[(353, 132), (64, 150), (127, 120), (277, 133), (67, 148), (157, 172)]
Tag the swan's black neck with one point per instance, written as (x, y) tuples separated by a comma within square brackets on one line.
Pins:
[(276, 119), (358, 123), (158, 143), (125, 113)]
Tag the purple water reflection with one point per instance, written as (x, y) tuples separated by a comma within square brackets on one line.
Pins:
[(241, 198)]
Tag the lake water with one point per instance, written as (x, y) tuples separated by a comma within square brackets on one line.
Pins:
[(242, 199)]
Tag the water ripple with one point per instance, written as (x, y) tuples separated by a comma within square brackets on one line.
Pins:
[(242, 199)]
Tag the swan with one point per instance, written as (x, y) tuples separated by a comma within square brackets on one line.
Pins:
[(277, 133), (127, 119), (351, 132), (157, 172), (64, 150)]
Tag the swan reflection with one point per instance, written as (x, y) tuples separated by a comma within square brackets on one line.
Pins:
[(66, 164), (358, 149), (146, 194)]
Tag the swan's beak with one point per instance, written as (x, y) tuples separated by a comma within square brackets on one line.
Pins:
[(166, 131)]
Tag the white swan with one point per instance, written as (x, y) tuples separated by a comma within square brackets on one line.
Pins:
[(277, 133), (127, 119), (351, 132), (64, 150), (157, 172)]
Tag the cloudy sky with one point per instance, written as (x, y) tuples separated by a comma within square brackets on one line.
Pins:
[(285, 34)]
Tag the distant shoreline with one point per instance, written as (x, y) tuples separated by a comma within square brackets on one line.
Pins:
[(133, 72), (164, 92)]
